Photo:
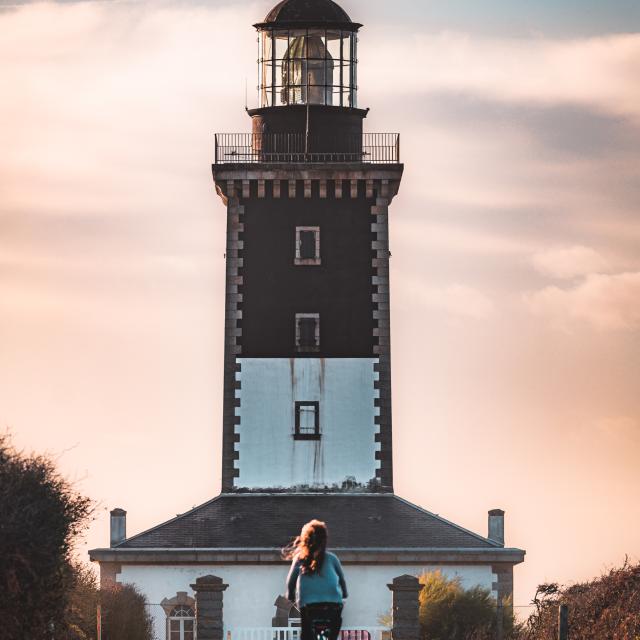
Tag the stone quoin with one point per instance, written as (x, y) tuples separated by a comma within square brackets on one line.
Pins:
[(307, 419)]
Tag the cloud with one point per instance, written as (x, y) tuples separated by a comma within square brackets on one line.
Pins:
[(597, 72), (456, 300), (604, 302), (569, 262)]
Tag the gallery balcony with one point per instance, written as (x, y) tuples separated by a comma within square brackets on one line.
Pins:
[(299, 148)]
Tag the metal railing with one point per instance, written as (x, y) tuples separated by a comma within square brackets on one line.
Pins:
[(252, 148), (293, 633)]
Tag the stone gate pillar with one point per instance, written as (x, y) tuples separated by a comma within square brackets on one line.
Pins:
[(209, 590), (405, 608)]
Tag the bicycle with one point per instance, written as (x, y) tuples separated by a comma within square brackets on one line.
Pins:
[(325, 622)]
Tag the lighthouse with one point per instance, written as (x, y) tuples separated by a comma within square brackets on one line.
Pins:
[(307, 416), (307, 389)]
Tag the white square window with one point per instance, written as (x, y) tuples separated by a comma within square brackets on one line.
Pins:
[(308, 246), (307, 332)]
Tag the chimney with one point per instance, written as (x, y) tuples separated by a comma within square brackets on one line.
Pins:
[(118, 526), (496, 526)]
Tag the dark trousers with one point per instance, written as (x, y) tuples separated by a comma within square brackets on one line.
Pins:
[(319, 615)]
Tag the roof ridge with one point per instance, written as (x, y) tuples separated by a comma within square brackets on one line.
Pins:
[(299, 494)]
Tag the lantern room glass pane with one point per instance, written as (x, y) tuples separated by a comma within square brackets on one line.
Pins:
[(281, 43), (346, 46), (334, 39), (317, 44), (266, 87), (265, 83), (266, 42), (297, 49)]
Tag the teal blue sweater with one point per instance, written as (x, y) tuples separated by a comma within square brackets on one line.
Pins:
[(326, 585)]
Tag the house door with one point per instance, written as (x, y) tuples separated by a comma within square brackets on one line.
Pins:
[(182, 623)]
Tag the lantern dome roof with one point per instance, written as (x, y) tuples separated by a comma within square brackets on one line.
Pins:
[(314, 12)]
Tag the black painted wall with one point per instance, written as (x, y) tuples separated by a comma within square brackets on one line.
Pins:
[(275, 289)]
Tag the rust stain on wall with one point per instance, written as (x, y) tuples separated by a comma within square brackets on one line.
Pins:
[(318, 462), (292, 367)]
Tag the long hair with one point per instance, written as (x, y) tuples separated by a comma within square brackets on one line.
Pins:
[(309, 547)]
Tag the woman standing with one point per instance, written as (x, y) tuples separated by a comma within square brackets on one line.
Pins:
[(316, 582)]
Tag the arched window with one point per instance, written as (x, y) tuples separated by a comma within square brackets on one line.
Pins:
[(182, 623)]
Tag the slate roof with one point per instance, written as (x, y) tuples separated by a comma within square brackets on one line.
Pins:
[(270, 521), (313, 11)]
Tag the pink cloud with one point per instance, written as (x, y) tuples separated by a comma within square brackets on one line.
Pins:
[(456, 299), (569, 262), (600, 72), (605, 302)]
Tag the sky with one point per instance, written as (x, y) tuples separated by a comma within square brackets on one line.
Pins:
[(515, 270)]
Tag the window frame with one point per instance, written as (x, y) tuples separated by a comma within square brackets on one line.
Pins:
[(309, 262), (177, 614), (298, 435), (300, 348)]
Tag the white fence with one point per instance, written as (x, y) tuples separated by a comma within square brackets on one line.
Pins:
[(293, 633)]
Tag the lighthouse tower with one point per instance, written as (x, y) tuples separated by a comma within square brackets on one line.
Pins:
[(307, 389), (307, 363)]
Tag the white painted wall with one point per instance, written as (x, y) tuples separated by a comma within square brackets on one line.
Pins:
[(269, 455), (249, 600)]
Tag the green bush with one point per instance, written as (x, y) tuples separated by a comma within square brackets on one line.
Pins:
[(44, 592), (42, 515), (81, 615), (125, 614), (605, 608), (124, 610), (450, 612)]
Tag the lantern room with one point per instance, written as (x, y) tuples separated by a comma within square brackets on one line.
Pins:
[(307, 55)]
